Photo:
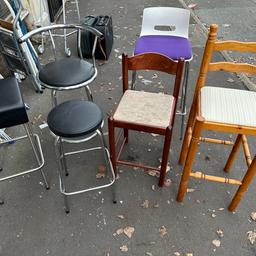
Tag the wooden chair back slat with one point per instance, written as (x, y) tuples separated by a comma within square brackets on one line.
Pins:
[(235, 46), (232, 67), (156, 62), (152, 61)]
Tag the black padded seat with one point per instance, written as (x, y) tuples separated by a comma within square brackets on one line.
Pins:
[(75, 118), (66, 72), (12, 108)]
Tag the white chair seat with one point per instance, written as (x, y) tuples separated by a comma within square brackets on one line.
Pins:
[(153, 109), (231, 106)]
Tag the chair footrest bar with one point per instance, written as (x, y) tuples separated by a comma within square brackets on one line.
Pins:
[(200, 175), (216, 141), (145, 167), (30, 170), (85, 190)]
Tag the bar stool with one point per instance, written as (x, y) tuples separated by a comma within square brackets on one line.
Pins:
[(12, 113), (164, 30), (70, 73), (77, 121)]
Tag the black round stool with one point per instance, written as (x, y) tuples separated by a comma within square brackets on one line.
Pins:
[(77, 121)]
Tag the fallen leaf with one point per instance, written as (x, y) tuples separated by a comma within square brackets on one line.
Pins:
[(167, 183), (162, 231), (145, 204), (129, 231), (190, 190), (152, 173), (124, 248), (146, 81), (251, 235), (216, 242), (156, 205), (207, 158), (220, 233), (226, 25), (189, 254), (253, 216), (192, 6), (149, 254), (230, 80), (154, 76), (168, 168), (221, 209), (100, 175), (120, 216), (120, 231), (153, 187), (213, 215), (177, 254)]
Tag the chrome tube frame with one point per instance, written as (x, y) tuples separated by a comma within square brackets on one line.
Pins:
[(62, 167), (37, 149)]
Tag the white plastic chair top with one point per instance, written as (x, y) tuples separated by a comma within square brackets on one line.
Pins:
[(165, 21)]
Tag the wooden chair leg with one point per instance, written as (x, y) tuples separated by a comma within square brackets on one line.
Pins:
[(112, 146), (233, 153), (186, 140), (126, 135), (244, 186), (189, 160), (165, 156)]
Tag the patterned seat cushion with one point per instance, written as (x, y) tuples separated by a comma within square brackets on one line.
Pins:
[(145, 108)]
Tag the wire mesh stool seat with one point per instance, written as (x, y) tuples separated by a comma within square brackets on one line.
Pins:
[(12, 113), (77, 121), (164, 30)]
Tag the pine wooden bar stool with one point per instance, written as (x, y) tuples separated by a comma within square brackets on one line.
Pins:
[(145, 111), (223, 110)]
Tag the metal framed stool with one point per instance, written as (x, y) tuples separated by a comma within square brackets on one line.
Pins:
[(77, 121), (165, 30), (64, 74), (12, 113)]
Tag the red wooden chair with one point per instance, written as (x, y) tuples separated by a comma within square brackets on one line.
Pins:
[(145, 111)]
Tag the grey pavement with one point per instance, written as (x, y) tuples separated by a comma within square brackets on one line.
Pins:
[(236, 20), (33, 221)]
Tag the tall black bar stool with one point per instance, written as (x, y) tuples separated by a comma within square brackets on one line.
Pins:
[(77, 121), (12, 113)]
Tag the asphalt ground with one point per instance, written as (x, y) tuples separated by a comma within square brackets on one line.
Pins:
[(32, 219)]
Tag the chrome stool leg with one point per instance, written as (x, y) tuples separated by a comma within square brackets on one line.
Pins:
[(37, 150), (88, 93), (184, 97), (108, 163), (61, 176), (133, 79), (62, 167), (62, 157), (54, 98)]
